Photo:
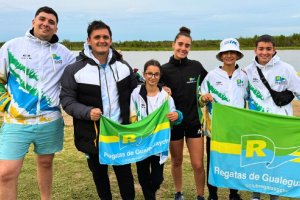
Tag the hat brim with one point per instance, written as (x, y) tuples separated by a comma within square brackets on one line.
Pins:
[(240, 55)]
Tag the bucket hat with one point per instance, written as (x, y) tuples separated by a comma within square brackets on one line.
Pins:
[(229, 44)]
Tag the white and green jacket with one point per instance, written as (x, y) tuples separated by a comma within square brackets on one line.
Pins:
[(30, 72), (281, 76), (231, 91), (225, 90)]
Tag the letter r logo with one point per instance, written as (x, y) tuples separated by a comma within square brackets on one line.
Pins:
[(256, 149), (255, 146), (129, 138)]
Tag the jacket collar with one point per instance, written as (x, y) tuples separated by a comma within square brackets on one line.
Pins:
[(271, 63), (178, 62), (113, 55), (143, 94), (30, 35)]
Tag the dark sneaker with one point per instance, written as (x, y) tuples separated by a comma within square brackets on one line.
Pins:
[(274, 197), (212, 198), (178, 196), (234, 197), (200, 198), (255, 196)]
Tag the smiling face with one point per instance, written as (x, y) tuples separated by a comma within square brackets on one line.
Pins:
[(264, 52), (181, 47), (152, 75), (229, 58), (100, 41), (44, 26)]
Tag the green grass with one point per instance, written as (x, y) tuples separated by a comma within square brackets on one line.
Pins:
[(73, 180)]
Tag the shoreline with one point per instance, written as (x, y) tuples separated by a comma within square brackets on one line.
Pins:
[(295, 103)]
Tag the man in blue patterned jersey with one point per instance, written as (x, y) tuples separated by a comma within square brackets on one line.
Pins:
[(30, 71)]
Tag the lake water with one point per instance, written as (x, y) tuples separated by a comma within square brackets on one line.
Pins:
[(208, 58)]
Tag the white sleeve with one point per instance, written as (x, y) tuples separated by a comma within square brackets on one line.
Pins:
[(204, 87), (172, 105), (132, 107), (294, 83), (3, 63), (246, 88)]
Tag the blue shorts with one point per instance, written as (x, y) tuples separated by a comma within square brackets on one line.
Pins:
[(15, 139)]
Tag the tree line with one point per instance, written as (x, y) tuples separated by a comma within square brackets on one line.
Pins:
[(288, 42)]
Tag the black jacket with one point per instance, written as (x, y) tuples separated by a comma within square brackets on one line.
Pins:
[(181, 77), (81, 92)]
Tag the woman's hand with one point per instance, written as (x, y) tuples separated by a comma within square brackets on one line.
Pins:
[(172, 116)]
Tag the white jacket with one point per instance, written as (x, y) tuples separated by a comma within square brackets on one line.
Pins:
[(30, 72), (139, 106), (226, 91), (281, 76)]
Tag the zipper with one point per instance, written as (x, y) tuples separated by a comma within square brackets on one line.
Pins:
[(109, 111), (39, 87), (107, 90)]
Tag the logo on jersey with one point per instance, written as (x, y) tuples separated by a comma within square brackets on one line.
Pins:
[(255, 80), (280, 80), (26, 57), (57, 59), (191, 80), (240, 82), (219, 83)]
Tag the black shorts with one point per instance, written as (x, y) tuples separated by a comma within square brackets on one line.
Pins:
[(178, 132)]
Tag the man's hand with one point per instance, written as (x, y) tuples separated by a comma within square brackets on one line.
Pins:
[(95, 114)]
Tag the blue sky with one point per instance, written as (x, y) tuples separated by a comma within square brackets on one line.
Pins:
[(154, 20)]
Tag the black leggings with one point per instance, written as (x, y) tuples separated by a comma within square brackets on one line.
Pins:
[(150, 175), (101, 179)]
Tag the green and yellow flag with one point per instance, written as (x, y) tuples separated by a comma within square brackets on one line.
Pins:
[(122, 144), (255, 151)]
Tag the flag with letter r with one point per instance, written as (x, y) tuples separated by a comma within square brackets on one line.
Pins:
[(255, 151), (122, 144)]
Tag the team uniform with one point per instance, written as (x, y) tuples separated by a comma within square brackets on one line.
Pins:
[(231, 91), (280, 76), (226, 90), (150, 170), (181, 77), (87, 84), (30, 72)]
